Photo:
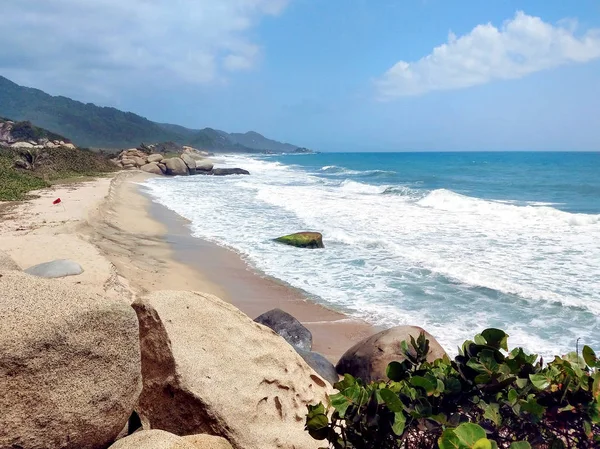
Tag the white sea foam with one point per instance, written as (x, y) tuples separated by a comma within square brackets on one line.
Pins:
[(394, 255)]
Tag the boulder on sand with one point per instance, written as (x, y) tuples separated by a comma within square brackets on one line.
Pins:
[(208, 368), (303, 240), (288, 327), (55, 269), (229, 171), (6, 262), (70, 370), (189, 161), (368, 359), (152, 167), (321, 365), (155, 158), (159, 439), (176, 166)]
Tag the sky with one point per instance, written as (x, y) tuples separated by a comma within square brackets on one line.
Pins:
[(332, 75)]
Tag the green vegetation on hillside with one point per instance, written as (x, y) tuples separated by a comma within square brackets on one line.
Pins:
[(60, 164), (88, 125), (485, 398)]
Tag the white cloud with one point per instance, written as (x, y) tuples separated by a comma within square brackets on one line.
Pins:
[(98, 45), (521, 46)]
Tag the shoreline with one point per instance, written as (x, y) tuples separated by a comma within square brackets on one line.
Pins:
[(254, 292), (130, 245)]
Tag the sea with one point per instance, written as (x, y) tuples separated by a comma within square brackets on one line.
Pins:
[(452, 242)]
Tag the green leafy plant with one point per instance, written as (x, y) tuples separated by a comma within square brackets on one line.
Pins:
[(486, 398)]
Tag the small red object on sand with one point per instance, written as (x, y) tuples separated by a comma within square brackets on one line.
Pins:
[(56, 201)]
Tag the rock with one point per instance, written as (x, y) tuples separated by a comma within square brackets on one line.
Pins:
[(321, 365), (208, 368), (176, 166), (129, 167), (155, 158), (287, 327), (152, 167), (208, 442), (163, 167), (22, 145), (303, 240), (70, 146), (153, 439), (55, 269), (368, 359), (229, 171), (6, 262), (127, 161), (140, 161), (189, 161), (204, 166), (69, 364)]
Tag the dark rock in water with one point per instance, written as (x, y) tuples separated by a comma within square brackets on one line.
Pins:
[(229, 171), (321, 365), (55, 269), (288, 327), (303, 240), (368, 359)]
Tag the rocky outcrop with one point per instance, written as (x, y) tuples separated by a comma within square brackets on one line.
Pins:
[(155, 158), (303, 240), (176, 166), (208, 368), (287, 327), (189, 161), (152, 167), (24, 135), (69, 364), (321, 365), (368, 359), (55, 269), (229, 171), (159, 439), (7, 263)]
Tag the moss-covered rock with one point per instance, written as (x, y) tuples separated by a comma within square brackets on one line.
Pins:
[(303, 240)]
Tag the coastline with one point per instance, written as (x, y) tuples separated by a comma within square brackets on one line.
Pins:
[(130, 245)]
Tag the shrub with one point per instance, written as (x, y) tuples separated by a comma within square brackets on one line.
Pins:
[(484, 398)]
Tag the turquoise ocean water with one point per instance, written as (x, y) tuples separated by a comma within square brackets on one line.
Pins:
[(453, 242)]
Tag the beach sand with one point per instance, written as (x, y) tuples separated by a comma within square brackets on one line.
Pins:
[(129, 245)]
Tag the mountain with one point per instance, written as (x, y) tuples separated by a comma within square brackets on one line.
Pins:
[(88, 125)]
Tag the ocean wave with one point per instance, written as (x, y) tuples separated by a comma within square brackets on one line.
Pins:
[(447, 200), (336, 170), (350, 186)]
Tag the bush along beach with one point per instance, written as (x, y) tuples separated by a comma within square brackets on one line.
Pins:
[(485, 398)]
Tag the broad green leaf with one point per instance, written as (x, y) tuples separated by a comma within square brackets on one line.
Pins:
[(539, 381), (596, 386), (496, 338), (340, 403), (522, 382), (483, 443), (469, 433), (520, 445), (317, 426), (424, 383), (395, 371), (392, 400), (590, 357), (492, 412), (399, 423), (449, 440)]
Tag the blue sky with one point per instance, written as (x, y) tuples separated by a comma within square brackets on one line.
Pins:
[(328, 74)]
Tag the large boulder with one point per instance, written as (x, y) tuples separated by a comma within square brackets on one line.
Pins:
[(6, 262), (229, 171), (153, 168), (128, 161), (176, 166), (208, 368), (288, 327), (303, 240), (70, 372), (159, 439), (55, 269), (140, 161), (189, 161), (155, 158), (368, 359), (321, 365), (204, 166)]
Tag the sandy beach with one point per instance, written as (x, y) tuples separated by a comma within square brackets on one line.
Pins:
[(129, 246)]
